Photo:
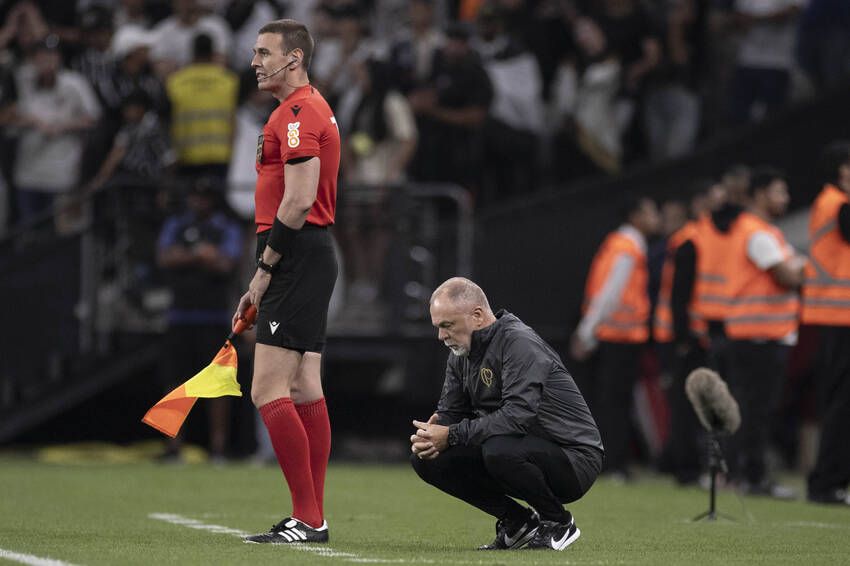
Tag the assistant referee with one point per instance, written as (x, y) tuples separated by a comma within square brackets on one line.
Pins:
[(297, 166)]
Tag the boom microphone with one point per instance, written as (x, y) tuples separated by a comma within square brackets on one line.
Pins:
[(715, 407), (287, 66)]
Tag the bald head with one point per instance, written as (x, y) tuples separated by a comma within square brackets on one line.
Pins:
[(458, 308), (460, 291)]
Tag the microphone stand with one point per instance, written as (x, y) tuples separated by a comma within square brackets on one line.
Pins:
[(716, 464)]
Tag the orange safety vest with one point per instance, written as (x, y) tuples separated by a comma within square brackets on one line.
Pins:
[(662, 324), (628, 323), (760, 308), (712, 290), (826, 291)]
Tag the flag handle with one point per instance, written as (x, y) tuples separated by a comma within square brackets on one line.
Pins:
[(245, 322)]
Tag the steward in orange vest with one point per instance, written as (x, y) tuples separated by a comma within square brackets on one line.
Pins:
[(826, 303), (760, 307), (616, 324)]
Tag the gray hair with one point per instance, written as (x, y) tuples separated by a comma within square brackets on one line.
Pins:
[(462, 290)]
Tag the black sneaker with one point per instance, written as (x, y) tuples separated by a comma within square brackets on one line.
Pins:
[(290, 531), (514, 534), (556, 536), (834, 497)]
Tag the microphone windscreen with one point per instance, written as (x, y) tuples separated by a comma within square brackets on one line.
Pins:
[(714, 405)]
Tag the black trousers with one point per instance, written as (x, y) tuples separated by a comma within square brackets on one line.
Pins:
[(832, 467), (615, 373), (684, 444), (756, 375), (525, 467)]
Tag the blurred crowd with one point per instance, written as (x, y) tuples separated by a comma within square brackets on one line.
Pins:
[(499, 96), (714, 282)]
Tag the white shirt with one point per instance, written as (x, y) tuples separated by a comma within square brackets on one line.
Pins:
[(52, 164), (173, 41), (767, 45)]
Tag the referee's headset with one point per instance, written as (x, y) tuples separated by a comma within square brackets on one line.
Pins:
[(288, 67)]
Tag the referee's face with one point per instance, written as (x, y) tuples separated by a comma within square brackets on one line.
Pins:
[(455, 323)]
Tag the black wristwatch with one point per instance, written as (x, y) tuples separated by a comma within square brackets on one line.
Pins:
[(270, 269)]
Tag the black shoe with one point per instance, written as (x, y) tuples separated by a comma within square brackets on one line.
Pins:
[(834, 497), (555, 536), (514, 534), (290, 531)]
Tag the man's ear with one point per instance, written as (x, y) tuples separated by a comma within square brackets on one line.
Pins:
[(478, 315)]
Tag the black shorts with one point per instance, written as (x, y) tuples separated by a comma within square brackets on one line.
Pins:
[(293, 313)]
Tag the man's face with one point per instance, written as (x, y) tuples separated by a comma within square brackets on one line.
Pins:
[(47, 62), (648, 219), (269, 58), (776, 197), (455, 324)]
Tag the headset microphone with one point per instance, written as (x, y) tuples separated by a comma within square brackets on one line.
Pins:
[(287, 66)]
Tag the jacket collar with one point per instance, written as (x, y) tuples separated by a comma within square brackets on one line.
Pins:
[(481, 338)]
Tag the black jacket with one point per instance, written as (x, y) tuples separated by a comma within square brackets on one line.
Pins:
[(513, 383)]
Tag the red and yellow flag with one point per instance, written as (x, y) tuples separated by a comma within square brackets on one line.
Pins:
[(215, 380)]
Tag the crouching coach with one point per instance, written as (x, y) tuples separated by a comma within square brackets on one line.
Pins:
[(510, 423)]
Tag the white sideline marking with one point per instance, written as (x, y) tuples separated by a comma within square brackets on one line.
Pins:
[(30, 559), (817, 525), (326, 551)]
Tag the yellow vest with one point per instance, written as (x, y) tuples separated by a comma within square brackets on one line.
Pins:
[(203, 104)]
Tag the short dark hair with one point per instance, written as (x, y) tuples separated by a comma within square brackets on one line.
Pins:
[(762, 177), (294, 35), (631, 205), (832, 158), (202, 47)]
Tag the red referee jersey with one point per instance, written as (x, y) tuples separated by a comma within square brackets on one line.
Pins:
[(303, 125)]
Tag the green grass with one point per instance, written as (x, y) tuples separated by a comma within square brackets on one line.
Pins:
[(99, 514)]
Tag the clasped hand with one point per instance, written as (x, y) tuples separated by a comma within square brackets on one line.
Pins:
[(430, 439)]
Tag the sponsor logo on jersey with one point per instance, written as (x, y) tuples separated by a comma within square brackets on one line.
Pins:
[(293, 135)]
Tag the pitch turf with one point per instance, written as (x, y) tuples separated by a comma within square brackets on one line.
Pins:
[(141, 513)]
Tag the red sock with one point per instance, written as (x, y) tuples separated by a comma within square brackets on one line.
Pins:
[(314, 415), (293, 454)]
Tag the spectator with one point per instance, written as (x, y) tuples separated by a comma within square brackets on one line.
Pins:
[(672, 108), (141, 153), (615, 326), (95, 62), (762, 78), (511, 134), (823, 41), (332, 70), (131, 12), (380, 141), (203, 97), (173, 37), (451, 113), (245, 17), (198, 251), (130, 50), (412, 54), (633, 39), (588, 135), (55, 107)]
